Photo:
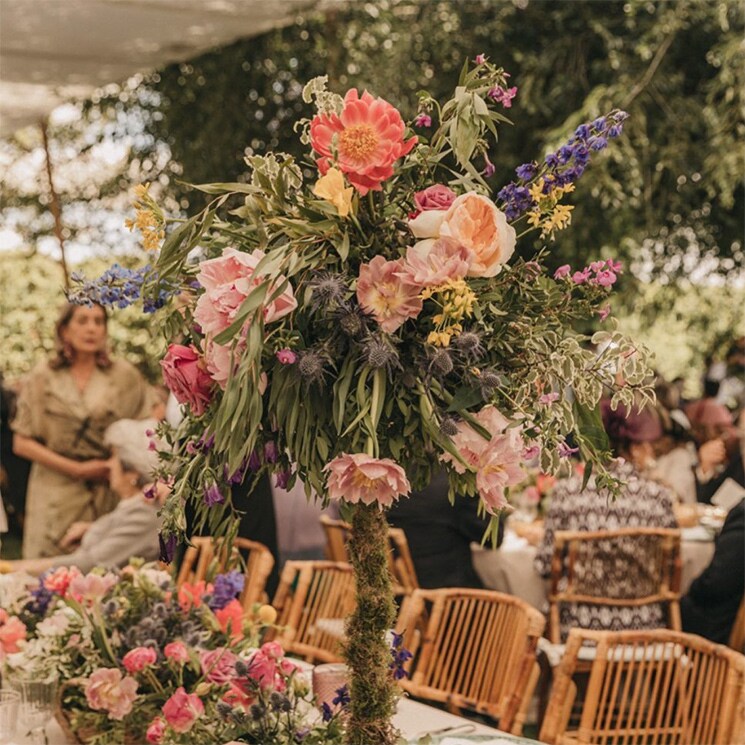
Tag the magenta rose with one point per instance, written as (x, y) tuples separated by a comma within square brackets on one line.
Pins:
[(218, 665), (185, 374), (182, 709), (138, 659), (437, 197), (176, 651)]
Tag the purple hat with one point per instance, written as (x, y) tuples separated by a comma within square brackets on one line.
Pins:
[(632, 426)]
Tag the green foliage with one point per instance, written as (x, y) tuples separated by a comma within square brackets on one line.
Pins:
[(31, 296)]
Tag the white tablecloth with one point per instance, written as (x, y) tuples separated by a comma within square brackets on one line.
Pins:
[(510, 568)]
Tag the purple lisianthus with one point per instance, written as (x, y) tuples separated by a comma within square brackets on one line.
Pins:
[(167, 547), (213, 495), (489, 168), (271, 454), (226, 587), (282, 478)]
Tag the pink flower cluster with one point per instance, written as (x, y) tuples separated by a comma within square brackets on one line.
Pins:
[(459, 237), (603, 273), (12, 631), (107, 690), (497, 461), (59, 580)]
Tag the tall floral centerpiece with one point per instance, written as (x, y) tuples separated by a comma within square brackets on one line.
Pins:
[(358, 320)]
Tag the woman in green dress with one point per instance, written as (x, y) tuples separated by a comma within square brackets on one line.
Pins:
[(65, 406)]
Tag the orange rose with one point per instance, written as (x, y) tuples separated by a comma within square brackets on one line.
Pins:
[(476, 223)]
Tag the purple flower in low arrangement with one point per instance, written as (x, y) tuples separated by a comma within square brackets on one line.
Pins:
[(423, 120), (342, 697), (213, 495), (400, 656), (503, 95), (152, 491), (326, 712), (167, 546), (41, 597), (566, 451), (526, 171), (226, 587)]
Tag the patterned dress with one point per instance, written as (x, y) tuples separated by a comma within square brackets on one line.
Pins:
[(53, 411), (641, 504)]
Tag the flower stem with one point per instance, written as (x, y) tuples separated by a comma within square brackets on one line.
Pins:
[(368, 654)]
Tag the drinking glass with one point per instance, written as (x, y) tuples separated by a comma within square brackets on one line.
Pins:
[(9, 703), (37, 707)]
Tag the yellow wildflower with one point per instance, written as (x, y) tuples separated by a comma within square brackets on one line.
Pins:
[(331, 188)]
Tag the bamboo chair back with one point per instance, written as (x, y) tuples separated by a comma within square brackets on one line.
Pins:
[(472, 649), (649, 688), (403, 573), (629, 567), (737, 635), (313, 601), (205, 558)]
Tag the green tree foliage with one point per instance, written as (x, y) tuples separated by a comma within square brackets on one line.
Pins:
[(671, 194)]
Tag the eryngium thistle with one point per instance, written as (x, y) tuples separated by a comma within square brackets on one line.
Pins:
[(350, 321), (468, 344), (310, 366), (328, 290), (488, 381), (378, 353), (448, 426), (441, 363)]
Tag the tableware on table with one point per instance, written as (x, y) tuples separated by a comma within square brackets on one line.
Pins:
[(327, 680), (37, 707), (9, 705)]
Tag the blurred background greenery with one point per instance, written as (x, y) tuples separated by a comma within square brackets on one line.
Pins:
[(667, 198)]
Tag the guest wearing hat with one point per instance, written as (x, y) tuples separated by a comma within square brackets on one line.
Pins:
[(642, 503), (131, 529)]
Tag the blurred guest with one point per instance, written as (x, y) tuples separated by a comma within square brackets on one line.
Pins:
[(715, 469), (641, 503), (299, 532), (709, 419), (63, 410), (440, 534), (131, 529), (13, 470), (710, 606)]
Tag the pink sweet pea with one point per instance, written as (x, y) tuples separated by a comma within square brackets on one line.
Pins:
[(562, 272), (106, 690), (185, 375), (155, 731), (384, 291), (218, 665), (138, 659), (176, 651), (182, 709), (361, 478), (91, 587), (12, 631), (228, 280)]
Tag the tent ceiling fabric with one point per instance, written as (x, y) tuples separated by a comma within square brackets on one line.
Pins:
[(54, 50)]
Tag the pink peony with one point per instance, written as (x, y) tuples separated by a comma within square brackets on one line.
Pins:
[(384, 291), (185, 376), (430, 265), (106, 690), (230, 618), (437, 197), (91, 587), (476, 223), (176, 651), (12, 631), (139, 658), (362, 478), (182, 709), (218, 665), (366, 139), (155, 731), (228, 280)]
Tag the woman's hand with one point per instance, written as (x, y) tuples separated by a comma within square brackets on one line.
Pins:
[(74, 534), (93, 470)]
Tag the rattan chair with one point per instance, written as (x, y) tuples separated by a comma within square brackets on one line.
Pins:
[(474, 650), (313, 601), (403, 573), (642, 565), (648, 688), (204, 558), (737, 635)]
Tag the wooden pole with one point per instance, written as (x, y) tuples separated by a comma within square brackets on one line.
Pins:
[(54, 205)]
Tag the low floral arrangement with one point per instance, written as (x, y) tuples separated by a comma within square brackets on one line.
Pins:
[(359, 319), (139, 660)]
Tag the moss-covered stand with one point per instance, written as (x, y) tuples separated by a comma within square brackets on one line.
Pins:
[(368, 653)]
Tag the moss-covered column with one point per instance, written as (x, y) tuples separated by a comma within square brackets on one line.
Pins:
[(368, 653)]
